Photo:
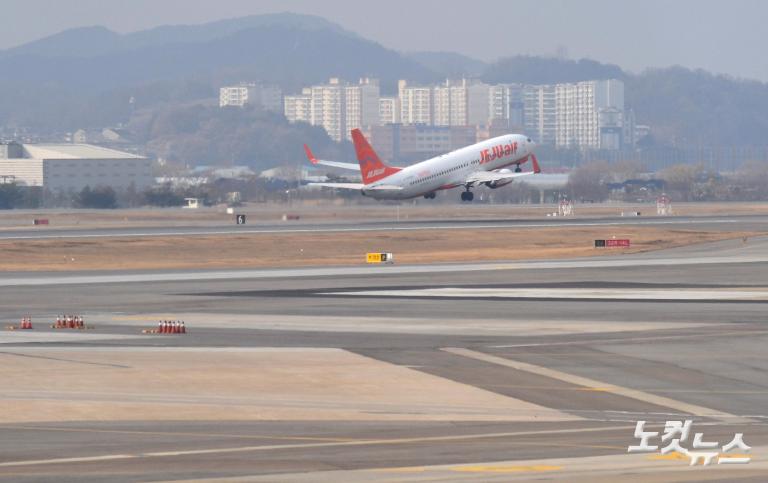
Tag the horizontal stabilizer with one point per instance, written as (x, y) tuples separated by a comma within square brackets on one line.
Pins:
[(348, 186), (334, 164), (384, 187)]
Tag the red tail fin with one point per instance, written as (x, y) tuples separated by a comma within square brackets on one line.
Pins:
[(310, 156), (371, 166)]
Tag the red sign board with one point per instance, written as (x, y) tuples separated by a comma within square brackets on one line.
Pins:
[(614, 243)]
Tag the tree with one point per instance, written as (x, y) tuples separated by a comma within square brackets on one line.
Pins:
[(163, 196), (750, 180), (11, 196), (588, 181), (680, 179), (99, 197)]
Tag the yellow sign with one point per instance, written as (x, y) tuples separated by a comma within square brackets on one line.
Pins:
[(374, 258)]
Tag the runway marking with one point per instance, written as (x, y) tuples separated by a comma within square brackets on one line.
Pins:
[(465, 226), (505, 469), (174, 433), (567, 293), (631, 339), (58, 359), (364, 442), (590, 383)]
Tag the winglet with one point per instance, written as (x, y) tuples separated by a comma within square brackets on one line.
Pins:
[(310, 156), (535, 163)]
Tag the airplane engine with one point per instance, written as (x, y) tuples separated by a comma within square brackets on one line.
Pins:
[(498, 184)]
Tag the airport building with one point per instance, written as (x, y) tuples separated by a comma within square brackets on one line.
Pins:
[(72, 167), (264, 96), (406, 143)]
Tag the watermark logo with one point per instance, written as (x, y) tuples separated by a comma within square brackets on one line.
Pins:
[(675, 438)]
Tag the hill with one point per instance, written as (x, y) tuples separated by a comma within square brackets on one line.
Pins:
[(684, 107), (85, 77), (48, 82), (449, 64), (96, 40), (526, 69)]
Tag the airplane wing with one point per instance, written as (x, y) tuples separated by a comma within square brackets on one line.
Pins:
[(335, 164), (502, 176), (479, 177)]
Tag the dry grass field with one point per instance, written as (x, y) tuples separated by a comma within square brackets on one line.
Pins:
[(339, 248)]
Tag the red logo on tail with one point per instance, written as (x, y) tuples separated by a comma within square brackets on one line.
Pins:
[(371, 166)]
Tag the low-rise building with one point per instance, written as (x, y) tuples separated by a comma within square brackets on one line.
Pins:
[(71, 167), (404, 144)]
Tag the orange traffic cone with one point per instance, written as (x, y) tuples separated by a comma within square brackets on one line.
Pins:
[(183, 328), (177, 327)]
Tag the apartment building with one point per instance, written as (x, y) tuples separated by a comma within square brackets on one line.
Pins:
[(389, 110), (582, 115), (299, 107), (540, 112), (337, 106), (589, 114), (415, 103), (265, 96), (362, 104)]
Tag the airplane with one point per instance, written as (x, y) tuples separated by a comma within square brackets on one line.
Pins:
[(485, 163)]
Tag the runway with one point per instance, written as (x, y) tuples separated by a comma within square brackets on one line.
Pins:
[(742, 222), (365, 374)]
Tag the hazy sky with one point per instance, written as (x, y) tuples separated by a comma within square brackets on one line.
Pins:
[(721, 36)]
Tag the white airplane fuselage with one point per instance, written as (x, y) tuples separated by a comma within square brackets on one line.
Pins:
[(450, 170)]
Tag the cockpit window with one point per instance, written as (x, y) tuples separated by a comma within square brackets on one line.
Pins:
[(529, 139)]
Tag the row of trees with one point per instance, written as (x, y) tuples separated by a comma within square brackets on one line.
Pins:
[(105, 197), (684, 182)]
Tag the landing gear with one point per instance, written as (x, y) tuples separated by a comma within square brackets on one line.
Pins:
[(467, 196), (430, 196), (518, 169)]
